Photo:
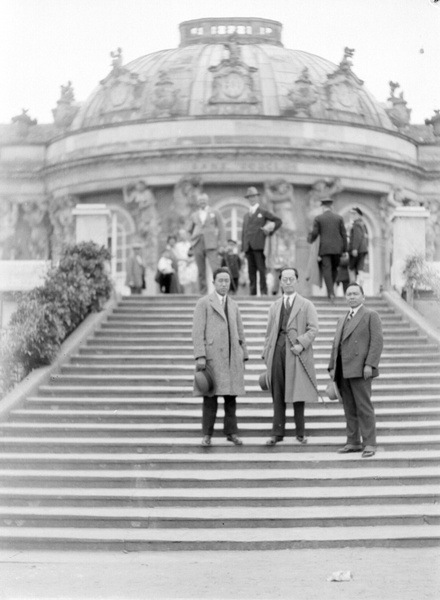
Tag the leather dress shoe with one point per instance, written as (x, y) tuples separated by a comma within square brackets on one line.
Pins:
[(206, 441), (368, 453), (348, 449), (301, 439), (234, 439), (274, 440)]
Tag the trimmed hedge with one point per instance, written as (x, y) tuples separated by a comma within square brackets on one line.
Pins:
[(45, 316)]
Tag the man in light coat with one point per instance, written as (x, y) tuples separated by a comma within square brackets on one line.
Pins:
[(135, 270), (208, 238), (354, 361), (292, 326), (220, 346)]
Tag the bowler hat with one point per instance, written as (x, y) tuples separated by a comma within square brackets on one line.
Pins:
[(357, 210), (326, 201), (263, 380), (251, 191), (204, 381), (332, 391)]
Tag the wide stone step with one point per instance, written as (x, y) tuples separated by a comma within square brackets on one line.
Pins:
[(219, 517), (263, 460), (193, 415), (212, 497), (225, 478), (191, 445), (255, 336)]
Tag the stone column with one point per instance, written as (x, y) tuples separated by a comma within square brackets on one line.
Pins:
[(409, 237), (91, 223)]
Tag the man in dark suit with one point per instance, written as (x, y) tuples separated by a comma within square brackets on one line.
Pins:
[(333, 243), (354, 361), (208, 238), (258, 223)]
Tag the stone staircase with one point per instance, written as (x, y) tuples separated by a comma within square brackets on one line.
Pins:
[(108, 454)]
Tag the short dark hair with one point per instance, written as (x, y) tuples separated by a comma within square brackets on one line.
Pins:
[(171, 237), (221, 270), (286, 268), (352, 284)]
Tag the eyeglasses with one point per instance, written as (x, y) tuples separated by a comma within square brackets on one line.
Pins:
[(288, 279)]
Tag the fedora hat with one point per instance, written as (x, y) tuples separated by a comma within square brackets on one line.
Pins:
[(251, 191), (326, 201), (204, 381), (263, 380), (332, 391)]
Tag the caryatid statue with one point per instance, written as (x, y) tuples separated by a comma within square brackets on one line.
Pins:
[(279, 197)]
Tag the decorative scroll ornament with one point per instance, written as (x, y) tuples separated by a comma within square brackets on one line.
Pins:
[(435, 122), (233, 85), (397, 111), (121, 89), (165, 96), (65, 111), (343, 86), (303, 94)]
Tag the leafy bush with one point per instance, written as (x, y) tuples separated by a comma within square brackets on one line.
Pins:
[(45, 316), (419, 275)]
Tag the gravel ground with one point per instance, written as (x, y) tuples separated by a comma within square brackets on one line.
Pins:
[(378, 574)]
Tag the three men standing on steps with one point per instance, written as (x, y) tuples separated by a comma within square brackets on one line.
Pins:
[(292, 326), (220, 353), (354, 361)]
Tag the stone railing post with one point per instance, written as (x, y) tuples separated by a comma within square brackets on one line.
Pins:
[(409, 237)]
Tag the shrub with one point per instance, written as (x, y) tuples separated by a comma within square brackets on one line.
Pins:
[(45, 316), (420, 275)]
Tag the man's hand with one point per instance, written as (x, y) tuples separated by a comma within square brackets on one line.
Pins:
[(201, 364), (354, 253), (332, 373), (368, 372), (297, 349)]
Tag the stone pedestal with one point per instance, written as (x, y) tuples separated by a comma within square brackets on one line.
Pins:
[(409, 237), (91, 223)]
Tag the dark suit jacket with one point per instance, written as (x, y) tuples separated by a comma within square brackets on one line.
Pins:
[(361, 343), (358, 237), (333, 235), (253, 237)]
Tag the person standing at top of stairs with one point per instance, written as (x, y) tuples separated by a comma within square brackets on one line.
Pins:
[(220, 352)]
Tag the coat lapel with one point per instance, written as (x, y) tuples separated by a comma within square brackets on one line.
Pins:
[(215, 303), (295, 308), (351, 325)]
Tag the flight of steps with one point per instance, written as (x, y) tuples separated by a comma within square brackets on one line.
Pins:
[(108, 454)]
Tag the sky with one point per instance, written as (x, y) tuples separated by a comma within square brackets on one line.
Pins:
[(45, 43)]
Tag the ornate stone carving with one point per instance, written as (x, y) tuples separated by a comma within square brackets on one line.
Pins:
[(63, 223), (343, 86), (23, 123), (65, 111), (142, 203), (435, 122), (36, 216), (321, 190), (9, 212), (397, 110), (432, 228), (279, 195), (233, 90), (121, 89), (303, 94), (165, 96), (184, 202)]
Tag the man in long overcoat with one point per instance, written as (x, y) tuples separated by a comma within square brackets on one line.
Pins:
[(220, 347), (292, 326), (354, 361)]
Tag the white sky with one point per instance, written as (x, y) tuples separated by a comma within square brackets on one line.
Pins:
[(45, 43)]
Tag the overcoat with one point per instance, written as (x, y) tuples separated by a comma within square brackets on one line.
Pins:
[(361, 342), (212, 232), (253, 237), (134, 273), (333, 235), (211, 340), (358, 237), (302, 327)]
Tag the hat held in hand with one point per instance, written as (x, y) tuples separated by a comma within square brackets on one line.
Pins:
[(263, 380), (332, 391), (204, 381)]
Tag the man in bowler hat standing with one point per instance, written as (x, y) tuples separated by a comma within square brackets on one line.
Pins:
[(332, 243), (258, 223), (220, 352)]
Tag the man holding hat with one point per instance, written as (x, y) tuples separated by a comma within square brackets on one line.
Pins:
[(332, 245), (220, 352), (291, 328), (358, 244), (258, 223)]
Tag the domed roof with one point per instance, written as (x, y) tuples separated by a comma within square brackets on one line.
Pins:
[(234, 67)]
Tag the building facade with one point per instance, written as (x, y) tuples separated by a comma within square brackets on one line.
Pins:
[(229, 108)]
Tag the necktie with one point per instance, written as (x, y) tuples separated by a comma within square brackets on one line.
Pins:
[(288, 303), (350, 315)]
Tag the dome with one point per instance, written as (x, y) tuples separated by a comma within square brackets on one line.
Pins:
[(235, 67)]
